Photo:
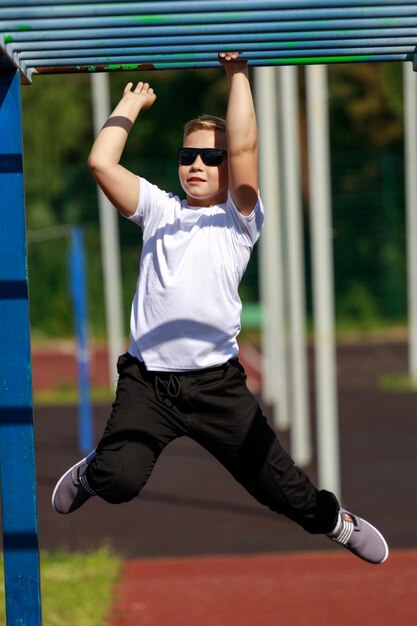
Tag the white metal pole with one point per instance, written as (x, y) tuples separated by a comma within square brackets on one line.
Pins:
[(410, 144), (292, 205), (271, 276), (323, 296), (109, 233)]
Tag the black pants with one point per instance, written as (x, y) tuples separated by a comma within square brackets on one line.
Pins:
[(215, 408)]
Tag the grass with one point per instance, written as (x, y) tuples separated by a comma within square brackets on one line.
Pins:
[(397, 382), (67, 395), (77, 589)]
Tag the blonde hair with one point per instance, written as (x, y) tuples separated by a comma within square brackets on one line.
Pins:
[(205, 122)]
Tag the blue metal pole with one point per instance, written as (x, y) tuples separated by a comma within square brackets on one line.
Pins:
[(266, 56), (17, 459), (168, 6), (253, 41), (257, 50), (306, 20), (202, 11), (79, 296), (183, 35), (179, 64)]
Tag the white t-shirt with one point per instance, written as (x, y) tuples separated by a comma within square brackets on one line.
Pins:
[(186, 310)]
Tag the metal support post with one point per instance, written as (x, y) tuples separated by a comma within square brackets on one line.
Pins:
[(17, 457), (109, 233), (410, 143), (292, 207), (271, 264), (323, 293)]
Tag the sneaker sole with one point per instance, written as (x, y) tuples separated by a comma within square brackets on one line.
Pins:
[(85, 459)]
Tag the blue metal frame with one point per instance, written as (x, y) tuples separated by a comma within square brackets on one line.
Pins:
[(78, 287), (72, 36), (17, 459)]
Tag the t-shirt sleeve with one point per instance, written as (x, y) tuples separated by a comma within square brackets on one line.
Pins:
[(251, 223), (152, 201)]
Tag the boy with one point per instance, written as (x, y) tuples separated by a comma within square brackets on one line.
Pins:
[(181, 375)]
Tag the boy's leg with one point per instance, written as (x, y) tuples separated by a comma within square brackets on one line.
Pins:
[(237, 434), (136, 433), (234, 430)]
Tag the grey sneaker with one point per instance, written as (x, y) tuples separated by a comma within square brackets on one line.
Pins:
[(361, 538), (72, 489)]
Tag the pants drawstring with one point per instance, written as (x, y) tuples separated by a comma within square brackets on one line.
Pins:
[(167, 388)]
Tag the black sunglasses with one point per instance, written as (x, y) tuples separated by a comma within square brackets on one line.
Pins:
[(209, 156)]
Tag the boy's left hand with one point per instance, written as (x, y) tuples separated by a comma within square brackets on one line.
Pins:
[(231, 60)]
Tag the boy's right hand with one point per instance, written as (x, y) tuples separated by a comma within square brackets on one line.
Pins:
[(143, 93)]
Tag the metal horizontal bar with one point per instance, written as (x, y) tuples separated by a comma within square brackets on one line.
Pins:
[(295, 28), (109, 67), (190, 33), (256, 32), (231, 40), (30, 72), (191, 11), (265, 55), (355, 45), (170, 6), (302, 20)]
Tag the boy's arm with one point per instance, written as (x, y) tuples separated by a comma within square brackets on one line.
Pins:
[(242, 135), (121, 186)]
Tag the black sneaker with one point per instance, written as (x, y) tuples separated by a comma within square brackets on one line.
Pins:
[(72, 489), (360, 537)]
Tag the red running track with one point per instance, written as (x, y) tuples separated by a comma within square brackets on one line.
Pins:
[(307, 589)]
